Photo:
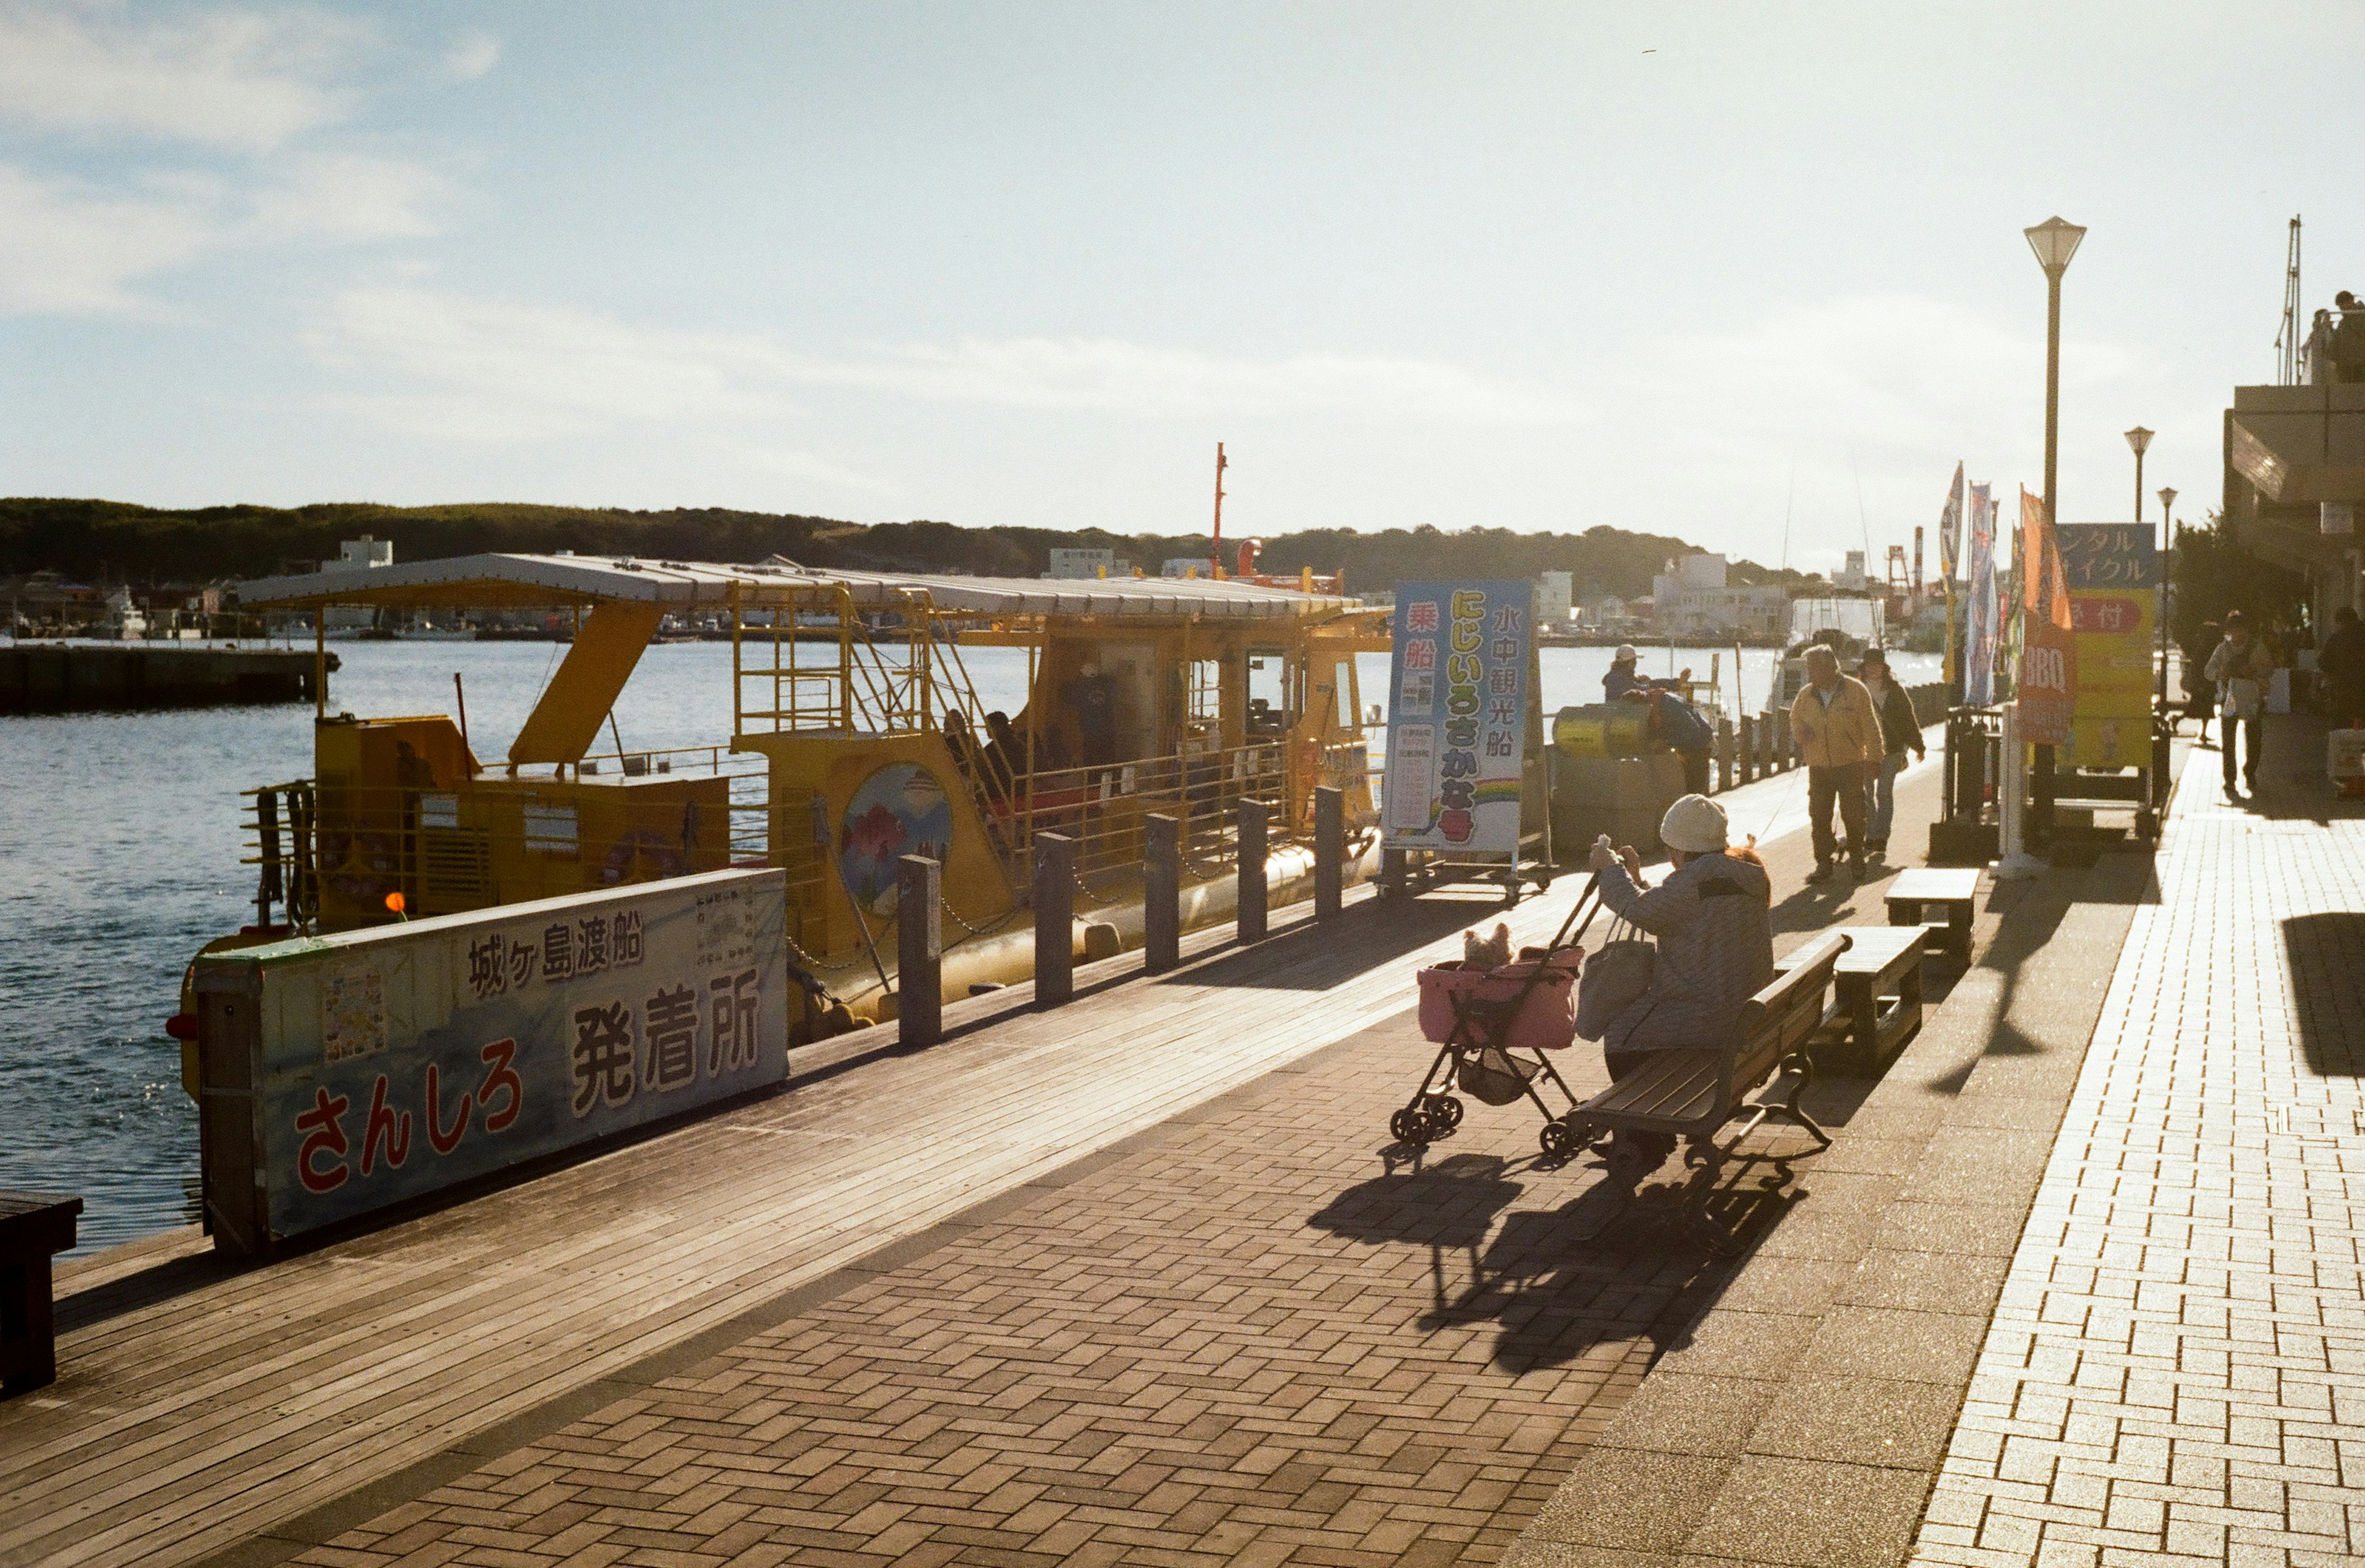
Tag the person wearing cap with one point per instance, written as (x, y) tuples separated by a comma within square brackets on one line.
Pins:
[(1715, 938), (1837, 732), (1899, 727), (1623, 680)]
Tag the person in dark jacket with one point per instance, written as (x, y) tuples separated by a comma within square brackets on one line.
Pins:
[(1899, 728), (2340, 663), (2349, 338)]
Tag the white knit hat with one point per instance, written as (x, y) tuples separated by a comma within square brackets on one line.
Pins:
[(1694, 824)]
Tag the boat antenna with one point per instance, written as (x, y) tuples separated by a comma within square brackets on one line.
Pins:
[(1861, 521), (2288, 339), (1216, 553)]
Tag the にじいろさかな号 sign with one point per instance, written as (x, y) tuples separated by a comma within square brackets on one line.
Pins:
[(1457, 716), (343, 1074)]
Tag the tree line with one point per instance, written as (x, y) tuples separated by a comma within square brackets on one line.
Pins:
[(100, 540)]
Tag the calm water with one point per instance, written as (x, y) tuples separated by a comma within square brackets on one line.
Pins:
[(119, 859)]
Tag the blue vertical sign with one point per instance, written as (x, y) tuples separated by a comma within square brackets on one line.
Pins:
[(1457, 716)]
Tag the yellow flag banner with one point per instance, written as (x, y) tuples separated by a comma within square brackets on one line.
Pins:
[(2048, 650)]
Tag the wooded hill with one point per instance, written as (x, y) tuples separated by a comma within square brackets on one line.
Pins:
[(95, 541)]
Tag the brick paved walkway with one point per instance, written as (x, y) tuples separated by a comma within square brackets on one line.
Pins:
[(2176, 1373), (1242, 1340)]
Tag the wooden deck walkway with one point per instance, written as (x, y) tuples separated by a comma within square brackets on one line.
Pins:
[(199, 1407)]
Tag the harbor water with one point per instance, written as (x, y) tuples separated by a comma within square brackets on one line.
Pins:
[(119, 850)]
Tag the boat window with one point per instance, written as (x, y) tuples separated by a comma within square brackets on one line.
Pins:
[(1342, 693), (1203, 689), (1270, 708)]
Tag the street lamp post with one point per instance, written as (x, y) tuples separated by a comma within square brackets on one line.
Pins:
[(2167, 568), (2139, 439), (2054, 241)]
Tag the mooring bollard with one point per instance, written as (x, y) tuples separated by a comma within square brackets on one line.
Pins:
[(919, 951), (1162, 893), (1723, 755), (1055, 919), (1329, 851), (1748, 749), (1251, 816)]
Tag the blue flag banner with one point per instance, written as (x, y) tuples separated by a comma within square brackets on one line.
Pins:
[(1457, 716)]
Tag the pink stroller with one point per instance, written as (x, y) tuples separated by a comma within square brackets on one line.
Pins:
[(1493, 1030)]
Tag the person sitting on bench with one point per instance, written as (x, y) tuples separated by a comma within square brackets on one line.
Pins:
[(1711, 916)]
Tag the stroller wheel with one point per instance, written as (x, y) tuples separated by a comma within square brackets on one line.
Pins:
[(1557, 1139), (1408, 1126), (1447, 1110)]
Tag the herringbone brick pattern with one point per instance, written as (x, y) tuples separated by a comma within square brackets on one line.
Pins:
[(1251, 1341), (2177, 1372)]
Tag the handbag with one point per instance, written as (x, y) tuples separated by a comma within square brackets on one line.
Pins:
[(1614, 978)]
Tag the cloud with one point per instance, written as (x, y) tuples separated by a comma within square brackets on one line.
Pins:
[(472, 54), (231, 79), (73, 249), (1105, 372), (350, 197), (499, 369)]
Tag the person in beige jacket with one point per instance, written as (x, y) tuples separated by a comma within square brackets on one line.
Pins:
[(1837, 732)]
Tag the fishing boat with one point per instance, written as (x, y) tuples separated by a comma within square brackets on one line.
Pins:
[(857, 737)]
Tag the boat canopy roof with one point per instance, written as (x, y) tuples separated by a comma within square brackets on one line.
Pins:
[(552, 581)]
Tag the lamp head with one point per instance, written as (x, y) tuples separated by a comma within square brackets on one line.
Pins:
[(2139, 438), (2166, 497), (2055, 243)]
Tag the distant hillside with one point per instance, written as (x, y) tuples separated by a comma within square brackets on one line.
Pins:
[(91, 540)]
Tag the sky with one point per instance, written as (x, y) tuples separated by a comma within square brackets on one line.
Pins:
[(1753, 276)]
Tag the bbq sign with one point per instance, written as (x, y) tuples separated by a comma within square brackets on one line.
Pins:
[(401, 1060), (1457, 716)]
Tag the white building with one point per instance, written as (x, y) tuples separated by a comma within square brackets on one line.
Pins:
[(1189, 567), (1555, 593), (1067, 563), (365, 551), (1695, 599), (1853, 578)]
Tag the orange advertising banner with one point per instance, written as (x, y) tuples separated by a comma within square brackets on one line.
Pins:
[(2048, 646)]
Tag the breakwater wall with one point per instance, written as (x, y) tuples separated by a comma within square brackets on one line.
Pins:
[(67, 677)]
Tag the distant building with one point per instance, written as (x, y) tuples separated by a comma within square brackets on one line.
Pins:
[(1074, 564), (1606, 613), (1694, 598), (1853, 578), (365, 551), (1189, 567), (1554, 596)]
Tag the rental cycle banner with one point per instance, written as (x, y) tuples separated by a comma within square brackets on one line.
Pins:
[(1457, 716), (400, 1059), (1979, 616), (2113, 570)]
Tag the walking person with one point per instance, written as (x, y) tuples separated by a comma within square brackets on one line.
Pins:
[(1900, 727), (1837, 732), (2241, 668)]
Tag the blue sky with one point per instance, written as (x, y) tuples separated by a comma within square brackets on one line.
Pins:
[(1530, 265)]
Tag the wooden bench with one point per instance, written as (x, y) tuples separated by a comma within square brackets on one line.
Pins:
[(1877, 1002), (33, 1227), (1695, 1093), (1954, 892)]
